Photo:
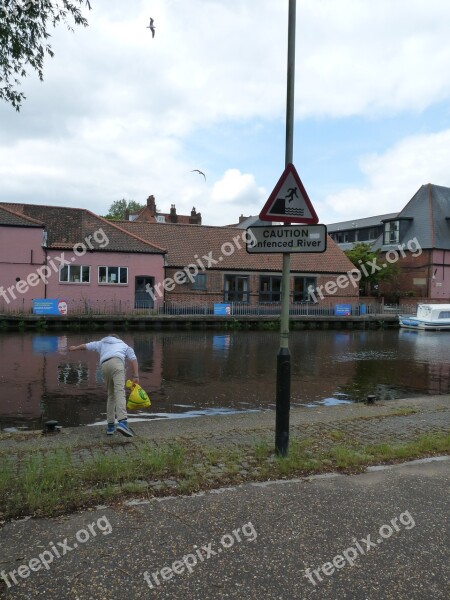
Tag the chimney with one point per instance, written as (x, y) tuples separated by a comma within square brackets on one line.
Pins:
[(173, 214), (242, 218), (193, 219), (151, 205), (126, 215)]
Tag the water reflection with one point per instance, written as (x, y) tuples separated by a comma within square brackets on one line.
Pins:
[(195, 373)]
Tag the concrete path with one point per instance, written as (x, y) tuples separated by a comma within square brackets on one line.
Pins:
[(378, 536)]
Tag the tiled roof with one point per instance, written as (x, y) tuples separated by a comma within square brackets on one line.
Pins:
[(187, 243), (67, 227), (11, 218), (359, 223), (426, 218), (429, 210)]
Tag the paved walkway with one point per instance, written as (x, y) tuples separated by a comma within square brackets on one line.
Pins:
[(382, 535), (266, 533), (388, 421)]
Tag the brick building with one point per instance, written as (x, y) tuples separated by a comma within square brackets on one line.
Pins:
[(221, 270), (150, 214)]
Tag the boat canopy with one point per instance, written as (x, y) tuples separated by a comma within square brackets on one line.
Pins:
[(433, 312)]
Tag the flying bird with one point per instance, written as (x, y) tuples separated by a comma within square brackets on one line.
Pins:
[(200, 172), (151, 27)]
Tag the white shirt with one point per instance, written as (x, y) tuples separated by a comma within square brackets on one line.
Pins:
[(112, 347)]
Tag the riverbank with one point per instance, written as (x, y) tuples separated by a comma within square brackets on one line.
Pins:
[(54, 474), (14, 322)]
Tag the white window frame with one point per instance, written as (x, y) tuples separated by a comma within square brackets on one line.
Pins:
[(107, 282), (81, 267)]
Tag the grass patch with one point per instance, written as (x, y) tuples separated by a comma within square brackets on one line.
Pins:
[(50, 483), (403, 412)]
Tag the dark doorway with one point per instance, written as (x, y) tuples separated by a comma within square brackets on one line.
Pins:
[(142, 297)]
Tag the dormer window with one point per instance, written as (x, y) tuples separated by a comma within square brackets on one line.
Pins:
[(391, 232)]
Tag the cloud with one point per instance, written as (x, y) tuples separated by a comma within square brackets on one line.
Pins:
[(371, 58), (236, 192), (393, 177), (119, 112)]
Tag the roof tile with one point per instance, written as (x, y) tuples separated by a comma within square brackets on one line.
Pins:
[(67, 227), (189, 243)]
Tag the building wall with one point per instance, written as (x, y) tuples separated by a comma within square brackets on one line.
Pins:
[(424, 276), (440, 275), (21, 253), (214, 291), (103, 295)]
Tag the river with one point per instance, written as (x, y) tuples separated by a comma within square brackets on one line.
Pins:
[(196, 373)]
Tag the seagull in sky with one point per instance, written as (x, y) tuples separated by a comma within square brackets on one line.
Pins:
[(151, 27), (198, 171)]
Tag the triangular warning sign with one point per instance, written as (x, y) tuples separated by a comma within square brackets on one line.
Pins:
[(289, 202)]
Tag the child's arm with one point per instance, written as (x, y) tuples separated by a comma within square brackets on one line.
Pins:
[(80, 347), (134, 364)]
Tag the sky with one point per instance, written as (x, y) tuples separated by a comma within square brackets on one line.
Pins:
[(122, 114)]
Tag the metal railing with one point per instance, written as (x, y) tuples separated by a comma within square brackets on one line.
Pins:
[(236, 309)]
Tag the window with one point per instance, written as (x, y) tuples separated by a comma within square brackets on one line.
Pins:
[(236, 288), (303, 286), (113, 275), (199, 282), (444, 314), (75, 274), (269, 289), (391, 232)]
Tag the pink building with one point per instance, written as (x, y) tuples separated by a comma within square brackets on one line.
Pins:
[(72, 255), (21, 253)]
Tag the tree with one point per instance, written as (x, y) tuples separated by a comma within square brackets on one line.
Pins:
[(24, 26), (119, 208), (373, 269)]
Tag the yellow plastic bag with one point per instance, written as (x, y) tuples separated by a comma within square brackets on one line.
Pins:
[(138, 397)]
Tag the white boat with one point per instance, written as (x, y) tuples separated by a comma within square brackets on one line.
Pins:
[(429, 316)]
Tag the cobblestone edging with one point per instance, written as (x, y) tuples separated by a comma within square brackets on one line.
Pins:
[(393, 421)]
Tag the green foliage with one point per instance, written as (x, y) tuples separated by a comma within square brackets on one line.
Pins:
[(372, 266), (117, 210), (24, 31)]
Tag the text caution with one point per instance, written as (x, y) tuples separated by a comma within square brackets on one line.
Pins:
[(293, 238)]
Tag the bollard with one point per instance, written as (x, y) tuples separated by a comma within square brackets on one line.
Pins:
[(371, 399), (52, 427)]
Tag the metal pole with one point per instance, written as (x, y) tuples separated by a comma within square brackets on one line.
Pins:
[(283, 399)]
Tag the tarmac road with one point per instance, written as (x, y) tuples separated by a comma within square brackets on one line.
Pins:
[(378, 536)]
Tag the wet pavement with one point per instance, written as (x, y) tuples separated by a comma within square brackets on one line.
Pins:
[(253, 540)]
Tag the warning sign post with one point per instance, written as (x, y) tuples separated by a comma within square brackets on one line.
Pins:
[(289, 202)]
